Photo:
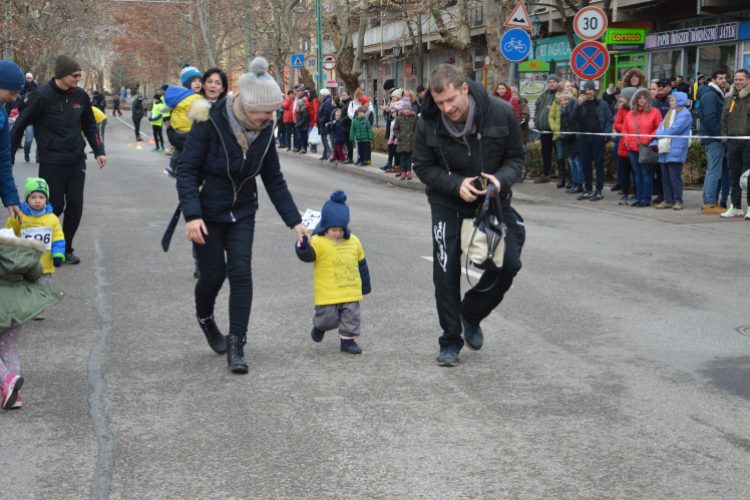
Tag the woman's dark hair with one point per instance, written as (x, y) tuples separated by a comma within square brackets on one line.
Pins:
[(336, 101), (224, 81)]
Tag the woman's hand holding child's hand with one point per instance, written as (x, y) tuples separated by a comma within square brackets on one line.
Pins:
[(304, 242)]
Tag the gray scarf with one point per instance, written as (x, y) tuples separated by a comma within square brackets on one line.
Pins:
[(244, 131), (459, 131)]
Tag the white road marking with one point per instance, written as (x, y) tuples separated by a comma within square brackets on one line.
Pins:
[(473, 274)]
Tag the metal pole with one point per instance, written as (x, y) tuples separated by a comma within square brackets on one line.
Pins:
[(319, 40), (396, 59)]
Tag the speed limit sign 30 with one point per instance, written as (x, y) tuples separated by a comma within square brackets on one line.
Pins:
[(590, 23)]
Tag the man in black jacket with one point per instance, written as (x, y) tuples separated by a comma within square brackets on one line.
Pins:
[(465, 137), (59, 112)]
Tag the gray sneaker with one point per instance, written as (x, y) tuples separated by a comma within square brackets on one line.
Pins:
[(448, 357), (596, 196), (473, 335), (585, 196), (623, 200)]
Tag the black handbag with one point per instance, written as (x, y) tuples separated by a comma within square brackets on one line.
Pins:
[(646, 155)]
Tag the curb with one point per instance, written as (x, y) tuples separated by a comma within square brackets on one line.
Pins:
[(369, 172)]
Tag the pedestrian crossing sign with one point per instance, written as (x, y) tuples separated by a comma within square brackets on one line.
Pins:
[(298, 61)]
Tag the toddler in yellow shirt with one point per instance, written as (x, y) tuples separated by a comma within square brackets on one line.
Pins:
[(340, 275)]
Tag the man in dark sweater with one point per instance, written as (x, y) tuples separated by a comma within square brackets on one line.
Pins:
[(594, 117), (59, 112), (661, 102)]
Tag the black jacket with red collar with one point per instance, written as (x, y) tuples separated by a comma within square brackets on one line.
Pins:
[(58, 116)]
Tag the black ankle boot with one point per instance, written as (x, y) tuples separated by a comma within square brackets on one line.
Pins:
[(561, 172), (236, 354), (215, 339)]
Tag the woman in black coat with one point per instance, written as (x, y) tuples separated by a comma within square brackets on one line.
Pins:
[(138, 116), (230, 144)]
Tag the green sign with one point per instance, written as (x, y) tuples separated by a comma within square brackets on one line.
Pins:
[(555, 48), (625, 40), (534, 65)]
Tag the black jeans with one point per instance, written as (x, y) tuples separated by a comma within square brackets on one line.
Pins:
[(394, 158), (406, 162), (288, 134), (66, 183), (228, 252), (446, 273), (738, 156), (547, 144), (592, 150), (349, 147), (627, 170), (364, 151), (158, 137), (137, 125)]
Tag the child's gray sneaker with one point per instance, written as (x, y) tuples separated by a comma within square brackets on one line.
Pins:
[(448, 357), (472, 335), (317, 335), (350, 346)]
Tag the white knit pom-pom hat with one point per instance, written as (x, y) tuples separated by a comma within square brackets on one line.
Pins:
[(258, 89)]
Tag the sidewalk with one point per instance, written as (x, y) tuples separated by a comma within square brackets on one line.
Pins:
[(372, 171)]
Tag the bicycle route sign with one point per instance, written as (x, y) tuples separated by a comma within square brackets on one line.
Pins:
[(590, 23), (589, 60), (515, 45)]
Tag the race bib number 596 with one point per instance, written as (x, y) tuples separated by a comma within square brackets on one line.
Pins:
[(43, 234)]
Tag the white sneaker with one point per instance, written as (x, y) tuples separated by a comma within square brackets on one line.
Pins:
[(732, 212)]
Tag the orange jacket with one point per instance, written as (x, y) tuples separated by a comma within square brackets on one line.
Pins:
[(622, 115), (288, 106)]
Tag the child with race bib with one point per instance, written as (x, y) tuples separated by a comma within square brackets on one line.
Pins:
[(42, 225)]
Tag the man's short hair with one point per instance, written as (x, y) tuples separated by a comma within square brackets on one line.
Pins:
[(747, 73), (363, 109), (444, 75), (420, 88), (680, 76), (672, 79), (717, 72)]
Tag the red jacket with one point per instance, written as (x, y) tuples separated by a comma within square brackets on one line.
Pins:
[(648, 121), (312, 111), (508, 96), (622, 115), (288, 106)]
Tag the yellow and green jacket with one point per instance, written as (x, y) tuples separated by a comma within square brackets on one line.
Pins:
[(158, 114), (42, 226), (179, 101)]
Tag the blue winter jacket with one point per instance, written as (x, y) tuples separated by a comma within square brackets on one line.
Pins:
[(213, 158), (335, 130), (681, 125), (709, 113), (324, 114), (8, 191)]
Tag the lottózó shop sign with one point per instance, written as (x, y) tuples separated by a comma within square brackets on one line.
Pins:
[(692, 36), (621, 40)]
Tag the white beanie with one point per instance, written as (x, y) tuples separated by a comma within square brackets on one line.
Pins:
[(259, 90)]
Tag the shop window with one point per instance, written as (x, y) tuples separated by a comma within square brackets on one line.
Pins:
[(695, 23), (691, 56), (666, 64), (676, 25), (711, 58)]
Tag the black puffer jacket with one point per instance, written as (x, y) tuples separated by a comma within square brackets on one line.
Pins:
[(58, 117), (568, 125), (442, 162), (213, 158)]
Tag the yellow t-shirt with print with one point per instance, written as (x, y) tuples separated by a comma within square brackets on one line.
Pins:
[(336, 275)]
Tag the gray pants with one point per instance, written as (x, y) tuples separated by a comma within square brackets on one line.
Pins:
[(346, 317)]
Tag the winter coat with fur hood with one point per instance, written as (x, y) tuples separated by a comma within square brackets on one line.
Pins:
[(643, 121), (681, 125), (213, 158), (643, 81), (735, 117)]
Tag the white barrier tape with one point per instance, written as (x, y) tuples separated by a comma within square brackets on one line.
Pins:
[(615, 134)]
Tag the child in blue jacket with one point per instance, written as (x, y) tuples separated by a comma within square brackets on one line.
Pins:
[(338, 138)]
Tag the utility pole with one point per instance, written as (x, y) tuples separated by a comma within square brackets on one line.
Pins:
[(319, 40), (248, 36)]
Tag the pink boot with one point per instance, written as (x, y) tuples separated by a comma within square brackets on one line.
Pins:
[(18, 402), (9, 390)]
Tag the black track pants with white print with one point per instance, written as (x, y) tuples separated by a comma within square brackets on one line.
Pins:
[(446, 273)]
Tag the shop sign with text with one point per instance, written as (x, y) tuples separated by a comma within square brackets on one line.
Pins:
[(622, 40), (692, 36)]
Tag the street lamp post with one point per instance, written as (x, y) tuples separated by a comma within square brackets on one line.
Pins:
[(319, 41), (396, 54), (536, 29)]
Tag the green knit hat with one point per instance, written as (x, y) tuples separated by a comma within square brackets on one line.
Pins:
[(35, 185)]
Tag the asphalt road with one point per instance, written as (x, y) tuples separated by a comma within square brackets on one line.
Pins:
[(616, 368)]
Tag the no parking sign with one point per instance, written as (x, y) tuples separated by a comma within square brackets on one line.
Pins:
[(589, 60)]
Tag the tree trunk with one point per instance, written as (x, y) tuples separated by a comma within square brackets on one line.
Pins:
[(416, 44), (495, 17), (351, 77)]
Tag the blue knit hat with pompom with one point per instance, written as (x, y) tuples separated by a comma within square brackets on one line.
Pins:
[(335, 213)]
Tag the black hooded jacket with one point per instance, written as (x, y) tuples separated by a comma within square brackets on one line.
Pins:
[(58, 117), (442, 162)]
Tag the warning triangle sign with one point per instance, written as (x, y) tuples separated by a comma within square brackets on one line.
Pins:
[(519, 18)]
